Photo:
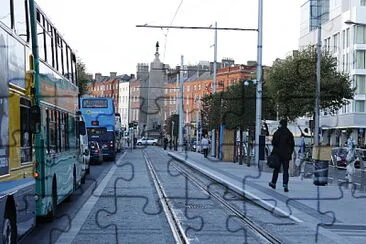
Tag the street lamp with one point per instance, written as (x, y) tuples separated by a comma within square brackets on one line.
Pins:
[(350, 22)]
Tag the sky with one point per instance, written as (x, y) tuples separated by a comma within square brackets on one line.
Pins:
[(105, 37)]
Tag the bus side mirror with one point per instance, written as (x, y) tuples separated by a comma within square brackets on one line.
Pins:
[(82, 130), (35, 119)]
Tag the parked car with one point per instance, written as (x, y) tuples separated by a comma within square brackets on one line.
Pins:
[(147, 141), (96, 154), (339, 155), (195, 147)]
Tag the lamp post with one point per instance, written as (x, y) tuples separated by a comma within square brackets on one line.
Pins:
[(350, 22), (258, 107), (180, 122), (172, 140)]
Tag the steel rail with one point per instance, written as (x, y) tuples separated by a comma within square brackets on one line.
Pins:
[(172, 219), (255, 228)]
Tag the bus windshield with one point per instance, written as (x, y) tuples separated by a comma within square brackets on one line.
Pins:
[(95, 103)]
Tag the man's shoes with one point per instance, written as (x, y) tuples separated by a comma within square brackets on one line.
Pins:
[(273, 185), (285, 188)]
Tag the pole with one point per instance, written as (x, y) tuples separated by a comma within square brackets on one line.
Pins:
[(172, 139), (196, 129), (177, 86), (180, 134), (317, 92), (258, 108), (213, 132)]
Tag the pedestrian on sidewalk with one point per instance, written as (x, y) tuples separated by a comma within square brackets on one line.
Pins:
[(165, 143), (204, 143), (283, 146)]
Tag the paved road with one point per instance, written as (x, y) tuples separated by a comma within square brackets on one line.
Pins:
[(49, 232)]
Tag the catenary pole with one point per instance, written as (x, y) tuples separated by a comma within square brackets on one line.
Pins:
[(258, 108), (180, 134), (213, 132)]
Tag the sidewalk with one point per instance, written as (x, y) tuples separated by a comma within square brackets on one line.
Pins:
[(338, 209)]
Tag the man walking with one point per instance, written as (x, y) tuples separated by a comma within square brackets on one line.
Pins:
[(283, 146), (204, 143)]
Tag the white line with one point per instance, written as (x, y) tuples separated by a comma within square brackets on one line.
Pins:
[(78, 221)]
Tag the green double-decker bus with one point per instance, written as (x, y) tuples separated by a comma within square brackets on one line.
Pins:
[(40, 155), (58, 154)]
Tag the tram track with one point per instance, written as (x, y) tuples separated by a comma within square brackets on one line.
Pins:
[(265, 235), (257, 230), (172, 219)]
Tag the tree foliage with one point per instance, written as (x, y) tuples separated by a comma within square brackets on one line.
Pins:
[(82, 76), (235, 108), (168, 125), (291, 84)]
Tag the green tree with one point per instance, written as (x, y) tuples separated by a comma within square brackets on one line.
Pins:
[(168, 125), (291, 83), (82, 76), (236, 107)]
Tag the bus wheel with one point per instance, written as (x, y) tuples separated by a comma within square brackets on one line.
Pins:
[(9, 229)]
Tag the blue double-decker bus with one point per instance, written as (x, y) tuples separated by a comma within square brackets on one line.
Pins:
[(100, 122)]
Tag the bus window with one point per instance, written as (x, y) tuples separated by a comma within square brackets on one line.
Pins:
[(5, 15), (41, 37), (52, 132), (20, 18), (25, 134)]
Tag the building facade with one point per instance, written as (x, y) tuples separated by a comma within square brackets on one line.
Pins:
[(346, 42), (124, 102)]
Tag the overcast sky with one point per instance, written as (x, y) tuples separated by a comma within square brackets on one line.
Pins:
[(105, 37)]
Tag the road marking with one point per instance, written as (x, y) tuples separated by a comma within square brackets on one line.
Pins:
[(80, 218)]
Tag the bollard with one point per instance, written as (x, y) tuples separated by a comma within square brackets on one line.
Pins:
[(321, 156)]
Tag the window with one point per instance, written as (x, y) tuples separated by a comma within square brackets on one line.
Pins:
[(25, 134), (360, 84), (360, 34), (361, 59), (66, 61), (336, 42), (20, 19), (51, 135), (360, 106), (363, 2), (49, 49), (41, 36), (59, 54), (5, 14)]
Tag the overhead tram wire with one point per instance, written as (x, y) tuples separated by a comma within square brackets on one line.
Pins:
[(167, 31), (196, 27)]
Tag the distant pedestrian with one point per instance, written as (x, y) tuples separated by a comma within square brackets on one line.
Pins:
[(134, 142), (283, 146), (204, 143), (165, 143)]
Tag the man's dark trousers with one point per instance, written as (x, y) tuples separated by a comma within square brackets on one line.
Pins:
[(285, 165)]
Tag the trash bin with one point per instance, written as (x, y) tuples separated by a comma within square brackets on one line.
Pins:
[(320, 173), (321, 156)]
